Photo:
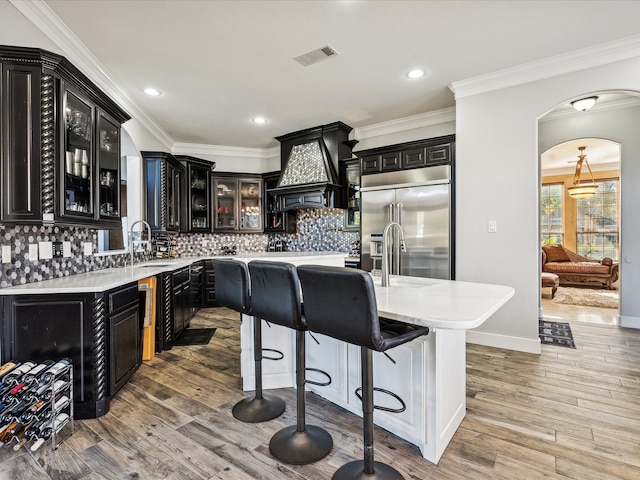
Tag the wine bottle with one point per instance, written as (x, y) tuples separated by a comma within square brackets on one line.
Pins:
[(14, 377), (15, 411), (58, 387), (15, 431), (56, 424), (7, 435), (7, 367), (55, 370), (37, 372)]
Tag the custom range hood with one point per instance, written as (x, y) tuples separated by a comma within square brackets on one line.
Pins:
[(309, 165)]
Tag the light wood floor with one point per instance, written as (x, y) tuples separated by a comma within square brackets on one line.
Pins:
[(567, 413)]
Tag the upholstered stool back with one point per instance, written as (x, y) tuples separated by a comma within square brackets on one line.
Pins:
[(276, 293), (233, 288)]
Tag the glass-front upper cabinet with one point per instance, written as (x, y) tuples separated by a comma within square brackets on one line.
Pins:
[(237, 204), (174, 195), (250, 205), (200, 200), (225, 197), (351, 179), (108, 162), (78, 161)]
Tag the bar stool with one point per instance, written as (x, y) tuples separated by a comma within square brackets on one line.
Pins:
[(340, 302), (275, 297), (233, 290)]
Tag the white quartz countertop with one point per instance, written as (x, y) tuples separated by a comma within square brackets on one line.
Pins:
[(439, 303), (106, 279)]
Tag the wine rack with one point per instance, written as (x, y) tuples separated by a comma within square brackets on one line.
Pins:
[(36, 403)]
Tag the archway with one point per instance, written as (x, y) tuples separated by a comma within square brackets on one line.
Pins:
[(615, 117)]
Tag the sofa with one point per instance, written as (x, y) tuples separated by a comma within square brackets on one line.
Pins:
[(576, 269)]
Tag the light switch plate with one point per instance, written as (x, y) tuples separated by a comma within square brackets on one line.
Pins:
[(66, 249), (6, 254), (33, 252), (88, 248), (492, 226), (46, 250)]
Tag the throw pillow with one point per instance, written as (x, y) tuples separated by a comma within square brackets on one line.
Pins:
[(556, 253)]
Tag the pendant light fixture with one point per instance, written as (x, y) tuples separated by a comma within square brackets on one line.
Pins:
[(582, 190)]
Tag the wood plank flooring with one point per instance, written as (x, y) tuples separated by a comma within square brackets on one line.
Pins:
[(564, 414)]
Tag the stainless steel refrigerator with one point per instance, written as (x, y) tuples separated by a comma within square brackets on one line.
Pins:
[(421, 201)]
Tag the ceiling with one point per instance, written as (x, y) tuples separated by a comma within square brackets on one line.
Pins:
[(219, 64)]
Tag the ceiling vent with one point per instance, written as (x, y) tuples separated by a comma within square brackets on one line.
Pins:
[(316, 56)]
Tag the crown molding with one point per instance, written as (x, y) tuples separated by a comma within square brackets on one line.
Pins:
[(590, 57), (43, 18), (225, 151), (406, 123)]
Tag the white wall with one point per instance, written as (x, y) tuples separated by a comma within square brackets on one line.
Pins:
[(498, 179)]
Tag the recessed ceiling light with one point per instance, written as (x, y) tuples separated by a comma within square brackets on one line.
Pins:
[(416, 73), (153, 92), (259, 120)]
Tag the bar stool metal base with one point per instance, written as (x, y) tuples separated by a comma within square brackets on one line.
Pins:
[(355, 471), (254, 410), (300, 448)]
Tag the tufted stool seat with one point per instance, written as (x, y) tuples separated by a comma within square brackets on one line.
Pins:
[(340, 302), (550, 280), (275, 297), (233, 290)]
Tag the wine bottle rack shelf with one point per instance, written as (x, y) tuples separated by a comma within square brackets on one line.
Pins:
[(36, 404)]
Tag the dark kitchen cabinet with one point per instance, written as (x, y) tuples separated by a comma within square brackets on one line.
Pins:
[(20, 140), (197, 199), (196, 287), (275, 220), (406, 156), (125, 329), (350, 178), (174, 312), (108, 169), (99, 332), (181, 301), (163, 191), (209, 286), (237, 202), (53, 119)]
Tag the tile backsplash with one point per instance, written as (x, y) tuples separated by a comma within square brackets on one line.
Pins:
[(317, 230)]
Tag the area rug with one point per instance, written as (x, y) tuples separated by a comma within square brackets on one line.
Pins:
[(195, 336), (555, 333), (587, 297)]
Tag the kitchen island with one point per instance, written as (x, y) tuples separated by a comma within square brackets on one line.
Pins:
[(429, 373)]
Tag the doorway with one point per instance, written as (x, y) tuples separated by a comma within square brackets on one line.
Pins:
[(573, 222)]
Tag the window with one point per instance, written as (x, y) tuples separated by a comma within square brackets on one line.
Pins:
[(551, 214), (597, 222)]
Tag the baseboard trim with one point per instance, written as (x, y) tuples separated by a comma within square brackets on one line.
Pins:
[(496, 340), (629, 322)]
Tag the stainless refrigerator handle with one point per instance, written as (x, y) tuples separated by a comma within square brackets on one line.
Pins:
[(399, 214), (392, 212)]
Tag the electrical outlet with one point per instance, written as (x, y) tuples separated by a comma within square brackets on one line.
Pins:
[(57, 249), (33, 252), (88, 248), (6, 254), (46, 250), (66, 249)]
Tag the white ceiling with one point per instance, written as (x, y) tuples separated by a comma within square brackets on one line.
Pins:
[(221, 63)]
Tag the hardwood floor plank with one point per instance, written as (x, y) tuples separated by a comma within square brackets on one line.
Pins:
[(21, 467)]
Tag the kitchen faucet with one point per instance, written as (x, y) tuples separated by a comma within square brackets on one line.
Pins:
[(146, 242), (386, 250)]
